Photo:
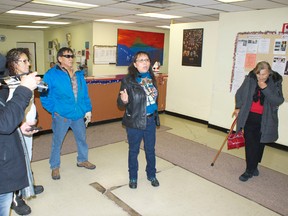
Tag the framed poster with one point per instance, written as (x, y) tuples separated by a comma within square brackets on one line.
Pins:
[(129, 42), (192, 47), (31, 46)]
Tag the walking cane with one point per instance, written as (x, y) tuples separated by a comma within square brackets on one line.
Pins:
[(225, 140)]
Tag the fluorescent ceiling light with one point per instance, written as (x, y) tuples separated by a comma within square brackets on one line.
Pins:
[(40, 27), (113, 21), (161, 16), (230, 1), (32, 13), (167, 27), (51, 22), (65, 3)]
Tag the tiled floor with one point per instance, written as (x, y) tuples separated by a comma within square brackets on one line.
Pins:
[(180, 192)]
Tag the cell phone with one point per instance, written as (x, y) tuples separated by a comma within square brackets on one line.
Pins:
[(33, 127)]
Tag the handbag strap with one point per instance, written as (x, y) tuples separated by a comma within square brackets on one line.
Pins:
[(233, 125)]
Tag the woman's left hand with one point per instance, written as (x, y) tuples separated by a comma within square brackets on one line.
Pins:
[(26, 128)]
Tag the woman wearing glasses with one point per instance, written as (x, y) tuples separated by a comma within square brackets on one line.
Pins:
[(138, 95), (18, 64)]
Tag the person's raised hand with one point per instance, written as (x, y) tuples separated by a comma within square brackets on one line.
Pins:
[(30, 80), (124, 96)]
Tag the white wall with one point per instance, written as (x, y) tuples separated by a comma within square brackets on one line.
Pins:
[(106, 34), (204, 92), (99, 34), (189, 89), (14, 36), (79, 35), (229, 25)]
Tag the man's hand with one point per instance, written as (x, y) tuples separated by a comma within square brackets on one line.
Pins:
[(88, 116)]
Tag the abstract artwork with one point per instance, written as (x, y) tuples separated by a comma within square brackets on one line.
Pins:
[(192, 47), (129, 42)]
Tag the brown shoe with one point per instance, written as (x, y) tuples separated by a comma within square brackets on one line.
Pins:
[(56, 174), (87, 165)]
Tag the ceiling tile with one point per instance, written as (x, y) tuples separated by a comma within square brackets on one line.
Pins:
[(259, 4)]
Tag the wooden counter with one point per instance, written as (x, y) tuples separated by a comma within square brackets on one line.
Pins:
[(103, 93)]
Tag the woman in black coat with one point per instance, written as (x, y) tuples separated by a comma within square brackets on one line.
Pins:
[(257, 102), (13, 170)]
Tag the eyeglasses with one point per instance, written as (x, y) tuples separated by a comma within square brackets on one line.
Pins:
[(143, 60), (68, 56), (25, 61)]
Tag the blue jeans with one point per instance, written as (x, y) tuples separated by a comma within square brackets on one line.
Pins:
[(135, 137), (60, 126), (5, 203)]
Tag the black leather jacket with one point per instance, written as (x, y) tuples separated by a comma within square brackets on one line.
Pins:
[(135, 109)]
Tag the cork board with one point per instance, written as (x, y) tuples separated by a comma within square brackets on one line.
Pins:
[(252, 47)]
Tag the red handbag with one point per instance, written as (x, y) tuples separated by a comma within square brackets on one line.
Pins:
[(235, 140)]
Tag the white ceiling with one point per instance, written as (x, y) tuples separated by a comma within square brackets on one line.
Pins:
[(190, 10)]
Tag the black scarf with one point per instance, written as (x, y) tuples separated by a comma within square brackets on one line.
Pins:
[(258, 95)]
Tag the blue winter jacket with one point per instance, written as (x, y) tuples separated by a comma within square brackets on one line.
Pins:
[(60, 98)]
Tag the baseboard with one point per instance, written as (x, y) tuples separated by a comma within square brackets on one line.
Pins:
[(225, 130), (186, 117)]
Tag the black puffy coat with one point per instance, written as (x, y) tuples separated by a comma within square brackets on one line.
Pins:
[(13, 173)]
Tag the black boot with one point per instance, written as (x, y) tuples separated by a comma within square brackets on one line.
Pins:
[(19, 205), (245, 176), (38, 189)]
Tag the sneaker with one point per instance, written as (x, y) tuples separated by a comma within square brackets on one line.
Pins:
[(38, 189), (245, 176), (55, 174), (154, 181), (19, 205), (133, 183), (86, 164)]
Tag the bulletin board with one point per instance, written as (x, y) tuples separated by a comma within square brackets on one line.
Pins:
[(252, 47), (104, 54)]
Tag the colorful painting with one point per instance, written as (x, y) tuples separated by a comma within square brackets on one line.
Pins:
[(129, 42)]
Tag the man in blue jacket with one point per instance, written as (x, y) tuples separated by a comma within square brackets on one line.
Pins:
[(68, 101), (13, 165)]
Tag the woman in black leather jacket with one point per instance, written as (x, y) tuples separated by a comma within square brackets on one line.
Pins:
[(138, 95)]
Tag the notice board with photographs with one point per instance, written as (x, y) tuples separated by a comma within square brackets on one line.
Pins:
[(252, 47)]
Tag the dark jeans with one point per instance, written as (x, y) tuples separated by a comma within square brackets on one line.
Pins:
[(135, 136), (253, 148)]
